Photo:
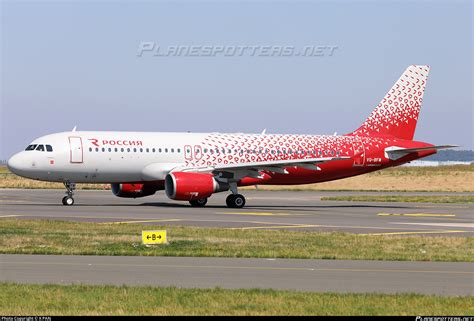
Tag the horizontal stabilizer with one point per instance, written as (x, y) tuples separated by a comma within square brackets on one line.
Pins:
[(398, 152)]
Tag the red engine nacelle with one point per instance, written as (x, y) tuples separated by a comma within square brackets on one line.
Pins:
[(133, 190), (184, 186)]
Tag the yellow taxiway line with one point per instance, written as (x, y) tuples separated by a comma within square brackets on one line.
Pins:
[(417, 214), (419, 232), (143, 221), (258, 213), (271, 227)]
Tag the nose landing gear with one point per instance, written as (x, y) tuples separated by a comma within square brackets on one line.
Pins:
[(68, 200)]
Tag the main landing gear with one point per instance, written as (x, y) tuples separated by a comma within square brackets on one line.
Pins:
[(198, 203), (235, 200), (68, 200)]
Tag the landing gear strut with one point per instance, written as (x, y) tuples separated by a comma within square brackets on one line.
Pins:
[(235, 200), (68, 200), (198, 203)]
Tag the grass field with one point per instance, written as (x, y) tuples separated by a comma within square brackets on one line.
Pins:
[(401, 198), (459, 178), (124, 300), (62, 237)]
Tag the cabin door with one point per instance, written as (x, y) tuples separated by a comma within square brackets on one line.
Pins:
[(359, 151), (76, 152)]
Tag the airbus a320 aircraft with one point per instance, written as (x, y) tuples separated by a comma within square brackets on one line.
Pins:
[(193, 166)]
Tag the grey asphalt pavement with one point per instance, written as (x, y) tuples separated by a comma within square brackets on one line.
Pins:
[(264, 210), (290, 274)]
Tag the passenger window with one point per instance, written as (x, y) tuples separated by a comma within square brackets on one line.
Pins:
[(90, 149), (141, 150), (49, 148), (172, 150), (153, 150), (134, 150), (205, 150), (31, 147), (166, 150), (116, 149), (159, 150), (128, 150), (40, 148), (147, 150), (110, 149), (122, 150), (179, 150), (97, 149), (103, 149)]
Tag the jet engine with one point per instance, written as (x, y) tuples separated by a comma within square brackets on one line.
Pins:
[(184, 186)]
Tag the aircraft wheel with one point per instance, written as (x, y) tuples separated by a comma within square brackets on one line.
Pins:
[(198, 203), (235, 201), (68, 200)]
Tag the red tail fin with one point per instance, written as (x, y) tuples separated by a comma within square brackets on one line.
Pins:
[(397, 114)]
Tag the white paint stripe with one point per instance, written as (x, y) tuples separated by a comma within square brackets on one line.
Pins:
[(3, 216)]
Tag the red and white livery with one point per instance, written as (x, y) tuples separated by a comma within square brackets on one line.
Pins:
[(193, 166)]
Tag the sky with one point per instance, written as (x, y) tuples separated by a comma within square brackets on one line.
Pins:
[(77, 63)]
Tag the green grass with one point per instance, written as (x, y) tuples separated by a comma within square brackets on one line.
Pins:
[(402, 198), (458, 178), (124, 300), (60, 237)]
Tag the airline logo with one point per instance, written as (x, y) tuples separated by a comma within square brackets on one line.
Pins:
[(115, 142)]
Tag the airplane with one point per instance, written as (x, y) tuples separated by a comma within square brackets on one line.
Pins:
[(193, 166)]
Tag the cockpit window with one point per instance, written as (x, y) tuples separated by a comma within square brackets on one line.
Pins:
[(31, 147), (49, 148), (40, 148)]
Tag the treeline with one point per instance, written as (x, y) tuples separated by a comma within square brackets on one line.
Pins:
[(452, 155)]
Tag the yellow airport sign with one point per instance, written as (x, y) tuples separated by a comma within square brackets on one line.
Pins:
[(154, 237)]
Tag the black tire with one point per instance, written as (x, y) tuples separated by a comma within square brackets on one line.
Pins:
[(235, 201), (198, 203), (230, 201), (68, 201)]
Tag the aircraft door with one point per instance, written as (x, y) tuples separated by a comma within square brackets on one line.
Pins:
[(197, 152), (76, 152), (359, 151), (188, 152)]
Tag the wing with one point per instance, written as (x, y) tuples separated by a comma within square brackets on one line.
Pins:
[(253, 169)]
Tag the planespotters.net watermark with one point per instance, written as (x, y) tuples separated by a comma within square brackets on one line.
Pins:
[(153, 49)]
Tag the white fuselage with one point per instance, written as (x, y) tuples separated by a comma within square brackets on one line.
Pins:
[(105, 157)]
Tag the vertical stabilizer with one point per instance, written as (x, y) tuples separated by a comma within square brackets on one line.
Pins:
[(397, 114)]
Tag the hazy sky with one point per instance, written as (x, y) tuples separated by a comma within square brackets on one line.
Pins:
[(75, 63)]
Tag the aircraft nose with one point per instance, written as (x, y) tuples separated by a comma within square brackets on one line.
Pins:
[(17, 164)]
